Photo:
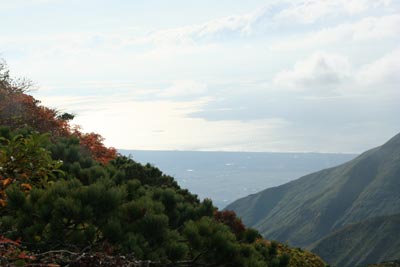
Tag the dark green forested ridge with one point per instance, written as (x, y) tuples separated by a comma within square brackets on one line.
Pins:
[(62, 190), (317, 205)]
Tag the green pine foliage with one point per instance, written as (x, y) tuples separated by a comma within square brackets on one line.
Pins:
[(74, 202)]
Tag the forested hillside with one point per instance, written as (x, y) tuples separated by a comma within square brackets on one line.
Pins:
[(67, 200)]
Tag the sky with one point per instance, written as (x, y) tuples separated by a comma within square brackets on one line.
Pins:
[(226, 75)]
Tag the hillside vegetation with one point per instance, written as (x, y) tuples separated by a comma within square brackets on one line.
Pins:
[(370, 241), (317, 205), (67, 200), (395, 263)]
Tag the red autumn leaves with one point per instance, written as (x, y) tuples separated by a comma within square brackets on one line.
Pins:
[(18, 110)]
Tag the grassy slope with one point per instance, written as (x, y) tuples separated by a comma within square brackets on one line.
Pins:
[(395, 263), (370, 241), (301, 258), (305, 210)]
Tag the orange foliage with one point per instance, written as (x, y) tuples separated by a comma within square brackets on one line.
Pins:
[(18, 110), (11, 251), (94, 143), (26, 187), (4, 240), (229, 218), (4, 182), (23, 256)]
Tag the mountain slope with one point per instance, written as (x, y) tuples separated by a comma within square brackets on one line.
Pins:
[(370, 241), (395, 263), (305, 210)]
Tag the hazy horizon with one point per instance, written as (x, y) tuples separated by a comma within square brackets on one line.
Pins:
[(222, 151)]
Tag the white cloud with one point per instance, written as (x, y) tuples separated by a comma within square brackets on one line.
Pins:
[(220, 28), (184, 88), (366, 29), (384, 71), (259, 23), (324, 73), (320, 71), (18, 4), (309, 11), (373, 28)]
